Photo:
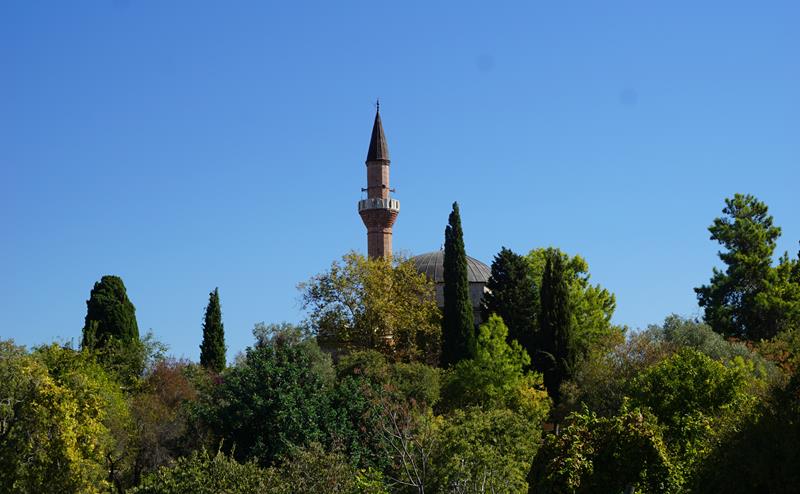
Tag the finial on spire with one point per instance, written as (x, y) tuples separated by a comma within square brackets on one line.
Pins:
[(378, 105)]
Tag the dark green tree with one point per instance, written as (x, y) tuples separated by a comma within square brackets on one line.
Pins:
[(458, 325), (554, 357), (212, 350), (111, 333), (276, 398), (749, 299), (513, 296), (109, 315)]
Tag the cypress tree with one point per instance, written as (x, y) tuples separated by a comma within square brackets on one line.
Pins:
[(110, 315), (458, 326), (514, 296), (212, 350), (554, 356)]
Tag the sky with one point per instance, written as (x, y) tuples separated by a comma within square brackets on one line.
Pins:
[(188, 145)]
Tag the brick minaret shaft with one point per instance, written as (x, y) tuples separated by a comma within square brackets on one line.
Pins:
[(378, 210)]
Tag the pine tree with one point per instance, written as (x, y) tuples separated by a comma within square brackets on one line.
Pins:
[(458, 326), (554, 357), (514, 296), (212, 350), (110, 315), (750, 299)]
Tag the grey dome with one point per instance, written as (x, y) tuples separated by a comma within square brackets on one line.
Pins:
[(432, 264)]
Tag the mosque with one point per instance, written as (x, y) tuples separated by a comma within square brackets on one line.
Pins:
[(379, 212)]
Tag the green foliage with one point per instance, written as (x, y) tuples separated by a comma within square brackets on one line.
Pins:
[(591, 306), (697, 399), (417, 382), (367, 386), (514, 296), (685, 384), (458, 325), (555, 356), (212, 349), (109, 314), (761, 453), (58, 416), (111, 331), (496, 378), (679, 332), (601, 380), (750, 299), (275, 399), (199, 473), (605, 455), (484, 451), (312, 470), (363, 304)]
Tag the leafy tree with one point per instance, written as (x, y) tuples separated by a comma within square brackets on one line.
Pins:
[(749, 299), (679, 333), (161, 412), (591, 306), (212, 350), (783, 350), (276, 398), (514, 296), (760, 454), (484, 451), (313, 470), (601, 381), (697, 400), (606, 454), (458, 325), (102, 409), (685, 384), (363, 304), (58, 413), (366, 386), (496, 378), (201, 474), (555, 357)]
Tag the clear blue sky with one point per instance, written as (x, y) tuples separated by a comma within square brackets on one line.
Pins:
[(185, 145)]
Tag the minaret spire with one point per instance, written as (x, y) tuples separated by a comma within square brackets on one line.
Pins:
[(378, 210), (378, 149)]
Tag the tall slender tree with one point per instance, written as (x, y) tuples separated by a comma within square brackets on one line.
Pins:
[(458, 325), (514, 296), (554, 357), (212, 350)]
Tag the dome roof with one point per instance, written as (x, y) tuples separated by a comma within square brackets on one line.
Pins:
[(432, 264)]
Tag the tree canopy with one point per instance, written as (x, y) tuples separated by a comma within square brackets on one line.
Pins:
[(363, 303)]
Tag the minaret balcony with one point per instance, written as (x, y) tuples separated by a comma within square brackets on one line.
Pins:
[(378, 203)]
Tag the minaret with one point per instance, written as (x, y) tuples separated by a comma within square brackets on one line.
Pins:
[(378, 210)]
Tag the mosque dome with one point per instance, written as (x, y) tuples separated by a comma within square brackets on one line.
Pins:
[(432, 264)]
